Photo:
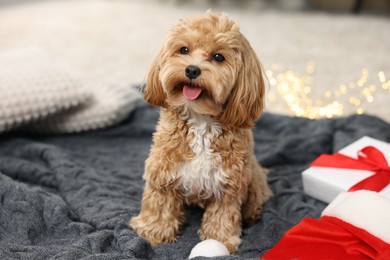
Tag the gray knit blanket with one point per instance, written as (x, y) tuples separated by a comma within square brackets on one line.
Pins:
[(71, 196)]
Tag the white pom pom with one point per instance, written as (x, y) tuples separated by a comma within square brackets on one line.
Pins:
[(209, 248)]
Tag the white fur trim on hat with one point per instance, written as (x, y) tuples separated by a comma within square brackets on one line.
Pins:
[(363, 209)]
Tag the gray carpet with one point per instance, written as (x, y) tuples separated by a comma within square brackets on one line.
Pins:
[(71, 196)]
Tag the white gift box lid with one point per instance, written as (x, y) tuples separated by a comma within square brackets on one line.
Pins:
[(325, 183)]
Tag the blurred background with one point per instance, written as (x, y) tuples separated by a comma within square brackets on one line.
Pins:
[(323, 59)]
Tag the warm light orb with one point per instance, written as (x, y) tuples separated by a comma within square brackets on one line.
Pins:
[(295, 91)]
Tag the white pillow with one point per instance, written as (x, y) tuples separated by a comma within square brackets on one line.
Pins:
[(109, 105), (40, 95), (33, 86)]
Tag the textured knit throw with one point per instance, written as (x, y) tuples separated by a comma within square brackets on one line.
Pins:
[(39, 95)]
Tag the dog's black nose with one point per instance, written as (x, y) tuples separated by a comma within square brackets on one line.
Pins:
[(192, 71)]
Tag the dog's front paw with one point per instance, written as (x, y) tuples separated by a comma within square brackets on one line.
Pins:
[(155, 231), (230, 241), (222, 222)]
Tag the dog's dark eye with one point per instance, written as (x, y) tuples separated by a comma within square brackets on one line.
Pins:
[(184, 50), (218, 57)]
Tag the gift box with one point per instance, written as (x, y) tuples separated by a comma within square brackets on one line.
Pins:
[(362, 165)]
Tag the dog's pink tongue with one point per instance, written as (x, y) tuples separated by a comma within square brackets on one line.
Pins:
[(191, 93)]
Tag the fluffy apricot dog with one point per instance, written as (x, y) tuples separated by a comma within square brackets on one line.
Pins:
[(209, 85)]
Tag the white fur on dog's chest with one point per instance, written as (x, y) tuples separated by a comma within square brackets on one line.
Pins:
[(203, 176)]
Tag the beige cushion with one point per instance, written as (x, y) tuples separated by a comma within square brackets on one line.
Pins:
[(33, 86), (38, 95)]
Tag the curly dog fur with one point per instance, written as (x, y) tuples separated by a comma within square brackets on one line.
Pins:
[(209, 84)]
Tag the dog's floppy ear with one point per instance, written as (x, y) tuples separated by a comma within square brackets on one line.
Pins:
[(153, 91), (245, 103)]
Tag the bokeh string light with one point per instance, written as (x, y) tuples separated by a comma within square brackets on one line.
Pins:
[(296, 93)]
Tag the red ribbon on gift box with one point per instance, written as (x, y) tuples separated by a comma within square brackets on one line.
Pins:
[(369, 158)]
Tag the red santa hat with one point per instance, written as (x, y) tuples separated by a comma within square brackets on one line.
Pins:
[(356, 225)]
